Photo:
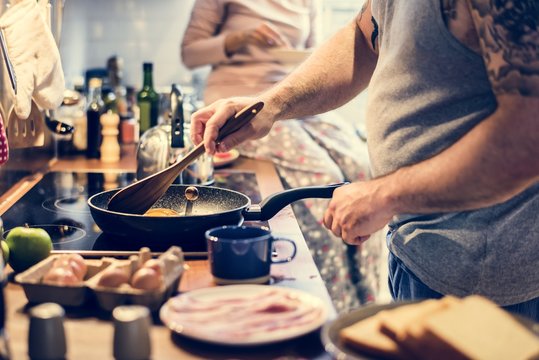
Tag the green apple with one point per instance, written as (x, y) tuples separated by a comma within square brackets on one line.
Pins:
[(5, 251), (27, 247)]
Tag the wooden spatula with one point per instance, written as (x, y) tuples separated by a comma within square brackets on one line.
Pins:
[(138, 197)]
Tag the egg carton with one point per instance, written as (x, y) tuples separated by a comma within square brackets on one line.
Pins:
[(110, 297), (37, 291), (107, 298)]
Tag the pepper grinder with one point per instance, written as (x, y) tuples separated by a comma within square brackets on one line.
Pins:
[(110, 148)]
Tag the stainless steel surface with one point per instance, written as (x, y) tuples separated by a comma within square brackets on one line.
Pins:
[(164, 144), (7, 61), (57, 15)]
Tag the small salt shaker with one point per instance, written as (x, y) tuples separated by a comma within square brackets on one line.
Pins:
[(132, 332), (46, 336)]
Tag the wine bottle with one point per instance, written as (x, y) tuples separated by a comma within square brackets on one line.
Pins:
[(148, 100), (96, 108)]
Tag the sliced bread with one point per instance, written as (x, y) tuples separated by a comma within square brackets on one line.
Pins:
[(477, 328), (366, 336)]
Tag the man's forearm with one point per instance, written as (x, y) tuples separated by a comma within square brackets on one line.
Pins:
[(492, 163), (341, 75)]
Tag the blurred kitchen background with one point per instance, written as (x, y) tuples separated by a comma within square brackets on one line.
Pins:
[(142, 30), (124, 34), (150, 31), (90, 33)]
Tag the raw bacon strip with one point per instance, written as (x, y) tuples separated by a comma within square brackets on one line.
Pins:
[(243, 316)]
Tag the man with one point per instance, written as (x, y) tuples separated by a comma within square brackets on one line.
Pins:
[(452, 130)]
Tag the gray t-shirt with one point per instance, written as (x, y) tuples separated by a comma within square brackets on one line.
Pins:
[(427, 91)]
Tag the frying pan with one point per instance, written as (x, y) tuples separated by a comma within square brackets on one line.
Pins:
[(213, 207)]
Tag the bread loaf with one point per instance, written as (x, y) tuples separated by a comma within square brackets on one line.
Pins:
[(405, 324), (366, 336), (478, 329), (450, 328), (396, 322)]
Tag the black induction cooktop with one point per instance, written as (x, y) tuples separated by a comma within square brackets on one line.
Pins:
[(58, 204), (8, 178)]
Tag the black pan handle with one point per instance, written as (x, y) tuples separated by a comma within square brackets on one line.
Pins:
[(276, 202)]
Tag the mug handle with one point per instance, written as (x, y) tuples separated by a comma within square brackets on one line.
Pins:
[(287, 258)]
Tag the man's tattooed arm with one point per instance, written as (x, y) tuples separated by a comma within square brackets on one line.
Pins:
[(368, 26), (508, 31)]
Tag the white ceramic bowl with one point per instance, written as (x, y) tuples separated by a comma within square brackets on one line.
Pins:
[(290, 56)]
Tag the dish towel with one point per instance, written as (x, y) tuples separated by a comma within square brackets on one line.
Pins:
[(34, 55), (4, 150)]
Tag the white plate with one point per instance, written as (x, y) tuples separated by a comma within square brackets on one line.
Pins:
[(244, 314), (289, 56), (226, 158)]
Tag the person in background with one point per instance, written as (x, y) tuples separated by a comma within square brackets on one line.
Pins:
[(452, 134), (237, 38)]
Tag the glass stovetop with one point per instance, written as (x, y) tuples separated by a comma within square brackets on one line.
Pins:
[(57, 204), (8, 178)]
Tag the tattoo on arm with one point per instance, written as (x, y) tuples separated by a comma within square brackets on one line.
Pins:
[(374, 34), (449, 10), (508, 31)]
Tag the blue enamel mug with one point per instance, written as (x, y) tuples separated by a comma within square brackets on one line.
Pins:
[(243, 254)]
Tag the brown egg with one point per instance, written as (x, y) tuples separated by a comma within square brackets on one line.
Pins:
[(61, 261), (75, 262), (161, 212), (113, 276), (77, 270), (146, 279), (79, 260), (61, 276), (156, 265), (171, 258)]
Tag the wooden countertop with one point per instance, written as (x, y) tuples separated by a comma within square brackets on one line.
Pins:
[(90, 333)]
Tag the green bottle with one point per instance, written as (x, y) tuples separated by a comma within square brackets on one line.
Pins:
[(148, 100)]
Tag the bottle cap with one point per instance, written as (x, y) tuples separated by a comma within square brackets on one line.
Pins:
[(147, 66)]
